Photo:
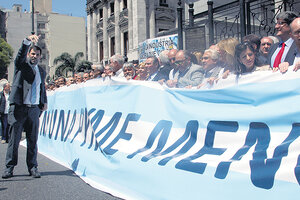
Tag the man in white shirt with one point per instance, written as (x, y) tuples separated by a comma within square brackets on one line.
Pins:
[(286, 47), (27, 100), (116, 63), (4, 106), (295, 32)]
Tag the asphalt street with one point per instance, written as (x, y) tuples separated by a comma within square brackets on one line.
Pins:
[(56, 183)]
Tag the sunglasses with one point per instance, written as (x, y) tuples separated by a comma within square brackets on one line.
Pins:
[(179, 62)]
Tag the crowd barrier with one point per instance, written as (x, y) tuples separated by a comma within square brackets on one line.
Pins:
[(141, 140)]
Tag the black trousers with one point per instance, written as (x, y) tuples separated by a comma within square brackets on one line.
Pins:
[(5, 127), (21, 117)]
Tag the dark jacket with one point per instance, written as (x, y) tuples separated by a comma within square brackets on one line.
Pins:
[(2, 102), (290, 56), (23, 78)]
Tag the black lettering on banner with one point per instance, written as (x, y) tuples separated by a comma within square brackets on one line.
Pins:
[(113, 123), (190, 133), (263, 169), (213, 126), (71, 126), (52, 123), (162, 126), (123, 134), (62, 123), (44, 124), (79, 130)]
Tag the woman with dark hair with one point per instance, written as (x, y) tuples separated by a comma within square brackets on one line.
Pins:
[(246, 60)]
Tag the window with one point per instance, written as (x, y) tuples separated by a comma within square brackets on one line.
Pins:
[(101, 50), (126, 43), (112, 46), (124, 4), (100, 13), (41, 25), (162, 29), (163, 3), (112, 8)]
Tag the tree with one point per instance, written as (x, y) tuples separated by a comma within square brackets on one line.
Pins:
[(6, 54), (67, 63)]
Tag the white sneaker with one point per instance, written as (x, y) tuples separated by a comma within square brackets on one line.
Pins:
[(3, 141)]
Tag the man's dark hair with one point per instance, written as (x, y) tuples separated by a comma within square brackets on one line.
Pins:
[(287, 16), (252, 39), (187, 54), (135, 62), (35, 48)]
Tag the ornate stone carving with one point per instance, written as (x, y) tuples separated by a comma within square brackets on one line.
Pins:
[(123, 19), (111, 24)]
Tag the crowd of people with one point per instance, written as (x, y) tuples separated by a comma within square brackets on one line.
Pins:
[(183, 69), (22, 106)]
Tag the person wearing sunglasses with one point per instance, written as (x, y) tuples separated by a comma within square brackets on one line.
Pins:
[(284, 51), (187, 74), (295, 31)]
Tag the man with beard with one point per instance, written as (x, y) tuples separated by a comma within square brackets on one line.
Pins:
[(187, 74), (27, 100)]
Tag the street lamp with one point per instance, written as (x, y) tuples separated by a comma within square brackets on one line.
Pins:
[(210, 22), (32, 17), (180, 34)]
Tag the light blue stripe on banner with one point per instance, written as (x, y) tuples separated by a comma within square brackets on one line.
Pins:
[(274, 103), (147, 180)]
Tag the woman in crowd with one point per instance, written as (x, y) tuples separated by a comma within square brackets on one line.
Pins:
[(226, 49), (108, 71), (128, 70), (246, 60), (198, 56), (141, 73)]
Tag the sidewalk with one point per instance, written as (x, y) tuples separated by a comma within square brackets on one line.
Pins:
[(56, 183)]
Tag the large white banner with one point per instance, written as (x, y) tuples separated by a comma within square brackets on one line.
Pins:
[(141, 140)]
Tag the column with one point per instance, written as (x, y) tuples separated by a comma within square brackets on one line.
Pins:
[(139, 28), (130, 24), (152, 19), (95, 43), (89, 33), (105, 38), (117, 28)]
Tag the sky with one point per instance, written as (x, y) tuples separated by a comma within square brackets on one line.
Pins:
[(68, 7)]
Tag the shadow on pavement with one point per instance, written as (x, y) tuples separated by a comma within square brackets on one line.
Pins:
[(59, 173)]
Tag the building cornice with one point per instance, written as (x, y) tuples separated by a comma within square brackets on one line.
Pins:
[(93, 5)]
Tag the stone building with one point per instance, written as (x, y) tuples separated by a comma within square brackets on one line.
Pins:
[(118, 26), (2, 24), (58, 33)]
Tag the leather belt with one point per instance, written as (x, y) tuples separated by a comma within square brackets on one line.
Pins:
[(31, 106)]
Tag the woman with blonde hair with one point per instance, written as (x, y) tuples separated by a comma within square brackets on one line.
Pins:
[(226, 49)]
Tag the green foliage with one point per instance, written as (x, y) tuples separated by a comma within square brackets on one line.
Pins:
[(6, 54), (67, 63)]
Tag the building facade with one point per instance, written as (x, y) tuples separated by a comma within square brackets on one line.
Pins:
[(58, 33), (118, 26)]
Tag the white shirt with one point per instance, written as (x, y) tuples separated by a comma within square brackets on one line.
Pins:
[(6, 102), (37, 82), (297, 58), (120, 73)]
